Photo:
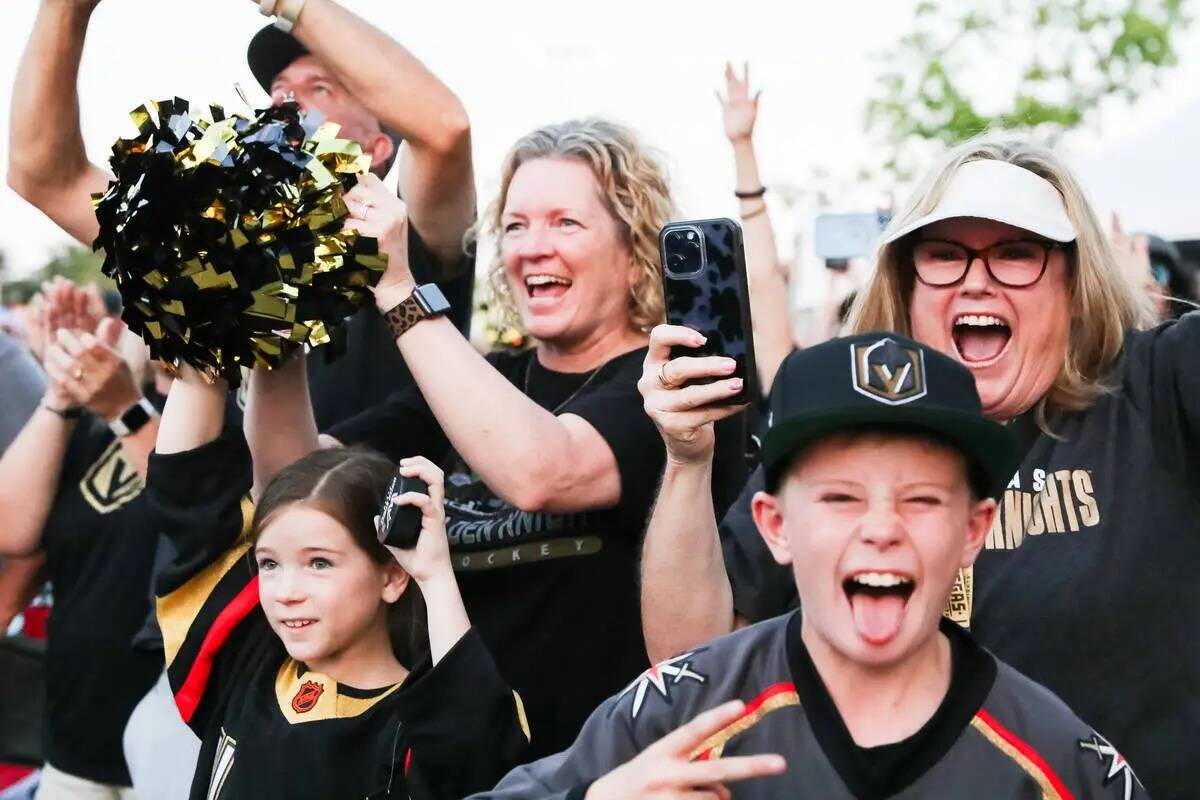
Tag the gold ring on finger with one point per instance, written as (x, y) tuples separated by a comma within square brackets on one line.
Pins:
[(662, 378)]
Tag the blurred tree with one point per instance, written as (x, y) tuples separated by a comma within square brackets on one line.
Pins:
[(75, 262), (1040, 66)]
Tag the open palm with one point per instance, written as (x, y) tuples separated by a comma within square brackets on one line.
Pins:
[(740, 109)]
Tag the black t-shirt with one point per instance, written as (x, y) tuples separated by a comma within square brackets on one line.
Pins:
[(99, 542), (555, 596), (271, 729), (371, 368), (1087, 580)]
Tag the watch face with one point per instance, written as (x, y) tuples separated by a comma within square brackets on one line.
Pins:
[(431, 299)]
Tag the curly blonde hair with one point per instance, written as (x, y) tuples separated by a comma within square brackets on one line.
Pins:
[(1103, 302), (633, 185)]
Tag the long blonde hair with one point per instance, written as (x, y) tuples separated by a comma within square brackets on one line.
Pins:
[(1104, 304), (633, 185)]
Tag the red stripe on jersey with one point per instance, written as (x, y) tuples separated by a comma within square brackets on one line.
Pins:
[(774, 696), (187, 699), (407, 760), (771, 691), (1023, 747)]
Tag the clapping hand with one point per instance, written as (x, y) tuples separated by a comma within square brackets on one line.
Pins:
[(85, 370)]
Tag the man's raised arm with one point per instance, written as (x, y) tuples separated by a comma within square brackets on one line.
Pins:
[(436, 176), (47, 164)]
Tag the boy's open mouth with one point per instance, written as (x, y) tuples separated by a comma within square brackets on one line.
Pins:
[(878, 600)]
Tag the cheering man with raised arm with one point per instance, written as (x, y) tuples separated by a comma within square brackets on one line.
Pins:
[(331, 61)]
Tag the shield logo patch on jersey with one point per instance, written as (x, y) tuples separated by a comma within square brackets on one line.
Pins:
[(307, 696), (111, 481), (888, 372)]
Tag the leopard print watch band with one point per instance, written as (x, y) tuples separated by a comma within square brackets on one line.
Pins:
[(404, 315)]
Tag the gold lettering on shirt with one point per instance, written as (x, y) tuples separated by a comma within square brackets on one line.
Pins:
[(1065, 504), (1051, 508), (1089, 512), (1064, 482)]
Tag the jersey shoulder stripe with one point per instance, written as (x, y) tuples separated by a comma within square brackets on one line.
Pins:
[(199, 616), (780, 695), (1024, 755)]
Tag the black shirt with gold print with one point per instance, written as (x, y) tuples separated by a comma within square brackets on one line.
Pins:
[(99, 542), (271, 728)]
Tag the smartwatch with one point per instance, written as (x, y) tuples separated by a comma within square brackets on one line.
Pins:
[(134, 418), (426, 301)]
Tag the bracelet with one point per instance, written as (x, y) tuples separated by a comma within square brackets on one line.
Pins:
[(759, 192), (64, 413), (751, 214), (286, 14)]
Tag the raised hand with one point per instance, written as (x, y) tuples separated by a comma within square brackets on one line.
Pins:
[(1133, 252), (684, 415), (377, 212), (740, 110), (665, 771), (87, 370), (72, 307), (430, 558)]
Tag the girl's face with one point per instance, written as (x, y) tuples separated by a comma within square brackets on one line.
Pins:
[(322, 593)]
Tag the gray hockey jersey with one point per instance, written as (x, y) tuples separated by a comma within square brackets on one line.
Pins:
[(996, 735)]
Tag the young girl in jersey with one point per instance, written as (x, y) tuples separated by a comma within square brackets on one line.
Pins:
[(290, 630)]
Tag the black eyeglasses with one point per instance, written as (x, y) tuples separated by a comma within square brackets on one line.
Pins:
[(1017, 263)]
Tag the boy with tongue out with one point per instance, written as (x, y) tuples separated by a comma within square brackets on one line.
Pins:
[(880, 469)]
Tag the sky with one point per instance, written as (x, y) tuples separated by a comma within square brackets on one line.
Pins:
[(652, 64)]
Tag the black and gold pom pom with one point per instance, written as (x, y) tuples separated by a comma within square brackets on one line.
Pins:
[(224, 235)]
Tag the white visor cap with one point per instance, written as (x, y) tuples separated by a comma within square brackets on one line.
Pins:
[(1003, 192)]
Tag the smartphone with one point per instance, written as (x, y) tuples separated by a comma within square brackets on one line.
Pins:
[(839, 237), (400, 526), (704, 285)]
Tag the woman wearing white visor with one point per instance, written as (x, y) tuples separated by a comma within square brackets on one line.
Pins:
[(1087, 580)]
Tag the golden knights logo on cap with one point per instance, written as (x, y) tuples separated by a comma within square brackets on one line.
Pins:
[(887, 371)]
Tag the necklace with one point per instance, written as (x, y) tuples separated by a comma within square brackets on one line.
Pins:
[(574, 394)]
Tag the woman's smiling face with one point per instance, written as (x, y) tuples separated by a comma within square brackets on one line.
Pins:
[(568, 267), (1014, 340)]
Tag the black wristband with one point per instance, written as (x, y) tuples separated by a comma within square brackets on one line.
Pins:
[(751, 195), (65, 413)]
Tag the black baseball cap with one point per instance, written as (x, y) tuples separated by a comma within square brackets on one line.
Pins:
[(883, 379), (271, 51)]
